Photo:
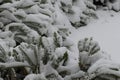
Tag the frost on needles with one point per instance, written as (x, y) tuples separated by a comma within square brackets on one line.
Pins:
[(34, 42)]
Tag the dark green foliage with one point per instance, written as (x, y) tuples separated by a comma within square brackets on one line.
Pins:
[(54, 64), (5, 1), (83, 66), (65, 58), (27, 57), (51, 77), (64, 73), (46, 58), (35, 26), (19, 17), (27, 7), (43, 1), (106, 77), (88, 45), (40, 44), (56, 40), (3, 55)]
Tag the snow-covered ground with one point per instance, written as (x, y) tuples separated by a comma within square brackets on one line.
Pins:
[(105, 30)]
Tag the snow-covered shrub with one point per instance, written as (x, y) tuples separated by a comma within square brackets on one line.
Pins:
[(39, 14), (87, 47), (104, 69), (22, 32), (27, 21), (78, 12), (45, 55), (95, 62), (110, 4), (34, 34), (29, 53), (7, 57)]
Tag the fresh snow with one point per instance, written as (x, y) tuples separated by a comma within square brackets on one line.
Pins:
[(105, 30)]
